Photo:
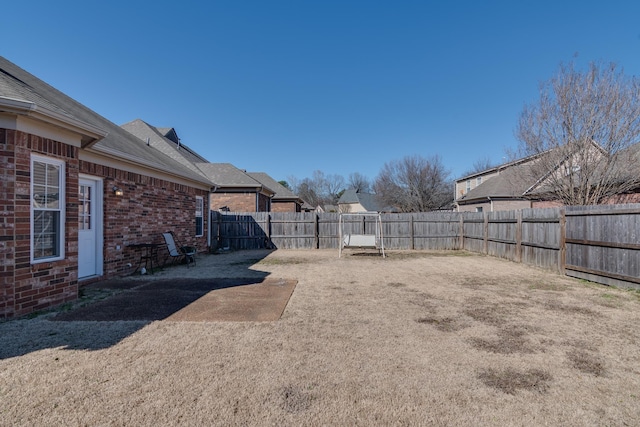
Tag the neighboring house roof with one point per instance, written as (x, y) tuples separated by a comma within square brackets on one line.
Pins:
[(511, 182), (521, 179), (166, 141), (228, 177), (112, 141), (282, 193), (367, 200), (327, 208)]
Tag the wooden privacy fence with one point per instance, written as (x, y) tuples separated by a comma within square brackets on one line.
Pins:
[(598, 243)]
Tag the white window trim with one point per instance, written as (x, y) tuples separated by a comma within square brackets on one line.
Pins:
[(62, 208), (201, 214)]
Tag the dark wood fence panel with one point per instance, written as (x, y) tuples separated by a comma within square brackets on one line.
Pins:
[(603, 244), (244, 230)]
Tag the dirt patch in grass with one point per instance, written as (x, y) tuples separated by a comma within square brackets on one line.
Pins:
[(570, 309), (510, 381), (294, 399), (586, 362), (548, 286), (397, 285), (444, 324), (494, 315), (509, 340)]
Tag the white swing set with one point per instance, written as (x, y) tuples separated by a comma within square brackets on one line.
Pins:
[(361, 240)]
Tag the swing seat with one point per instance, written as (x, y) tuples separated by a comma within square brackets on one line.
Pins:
[(359, 241)]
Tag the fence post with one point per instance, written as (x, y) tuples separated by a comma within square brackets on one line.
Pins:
[(519, 235), (486, 233), (317, 230), (562, 253), (412, 243), (461, 240), (268, 227)]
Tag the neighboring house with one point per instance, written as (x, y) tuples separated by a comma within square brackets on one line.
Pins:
[(235, 190), (77, 190), (327, 208), (284, 200), (354, 201), (504, 187), (521, 184)]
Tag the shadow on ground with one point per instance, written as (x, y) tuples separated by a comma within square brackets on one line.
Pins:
[(154, 300), (132, 304)]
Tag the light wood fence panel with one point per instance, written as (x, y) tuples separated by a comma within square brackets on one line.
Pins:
[(291, 230), (501, 234), (473, 235), (328, 230), (396, 231), (436, 231), (542, 237)]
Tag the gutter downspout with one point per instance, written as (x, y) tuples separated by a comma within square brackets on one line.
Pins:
[(490, 201)]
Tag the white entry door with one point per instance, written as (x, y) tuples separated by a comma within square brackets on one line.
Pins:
[(89, 229)]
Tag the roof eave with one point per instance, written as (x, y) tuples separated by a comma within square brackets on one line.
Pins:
[(90, 134)]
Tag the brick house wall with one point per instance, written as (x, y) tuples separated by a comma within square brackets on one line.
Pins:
[(30, 287), (7, 220), (284, 206), (239, 202), (148, 207)]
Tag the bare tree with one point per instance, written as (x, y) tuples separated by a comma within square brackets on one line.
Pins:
[(359, 182), (581, 135), (331, 186), (320, 189), (306, 190), (414, 184)]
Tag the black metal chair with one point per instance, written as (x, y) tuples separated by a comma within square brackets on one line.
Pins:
[(178, 252)]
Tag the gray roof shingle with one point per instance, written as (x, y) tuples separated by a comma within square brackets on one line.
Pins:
[(281, 192), (367, 200), (227, 175)]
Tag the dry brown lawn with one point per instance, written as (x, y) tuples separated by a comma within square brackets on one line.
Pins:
[(415, 339)]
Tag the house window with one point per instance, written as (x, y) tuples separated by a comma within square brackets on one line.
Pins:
[(468, 185), (47, 209), (199, 216), (478, 181), (479, 209)]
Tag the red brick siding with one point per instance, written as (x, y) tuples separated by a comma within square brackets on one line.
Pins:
[(236, 202), (7, 221), (149, 207), (284, 206), (30, 287)]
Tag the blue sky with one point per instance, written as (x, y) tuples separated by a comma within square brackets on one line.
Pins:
[(289, 87)]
